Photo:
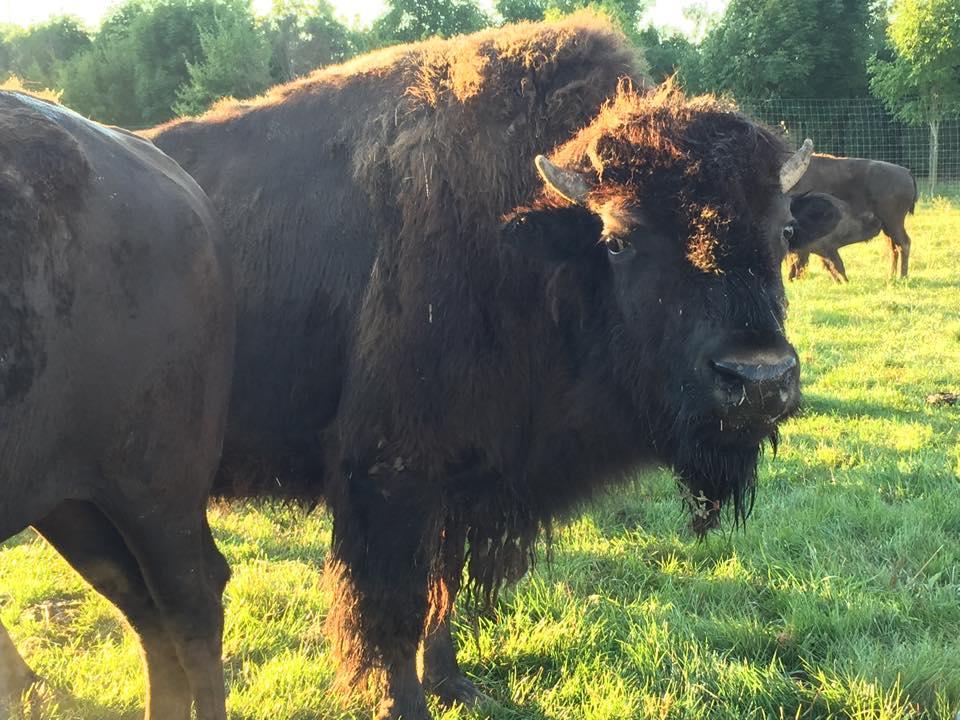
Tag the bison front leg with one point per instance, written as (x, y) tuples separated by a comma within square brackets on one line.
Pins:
[(442, 675), (386, 528), (798, 264), (15, 677), (440, 672)]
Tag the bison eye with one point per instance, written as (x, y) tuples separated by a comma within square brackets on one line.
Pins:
[(788, 232), (619, 248)]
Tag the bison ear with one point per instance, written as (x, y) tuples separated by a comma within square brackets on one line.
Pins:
[(553, 234), (817, 214)]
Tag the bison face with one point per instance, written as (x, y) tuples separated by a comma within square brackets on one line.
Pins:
[(693, 304), (714, 354)]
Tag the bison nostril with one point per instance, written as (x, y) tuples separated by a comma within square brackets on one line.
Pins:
[(756, 370)]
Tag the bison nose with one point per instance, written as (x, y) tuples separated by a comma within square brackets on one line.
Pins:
[(756, 370), (756, 388)]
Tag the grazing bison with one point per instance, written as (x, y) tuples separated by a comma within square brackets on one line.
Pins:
[(869, 187), (454, 357), (116, 336), (824, 224)]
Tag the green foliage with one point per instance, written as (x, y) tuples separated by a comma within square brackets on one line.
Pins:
[(101, 83), (411, 20), (838, 600), (138, 61), (517, 10), (152, 58), (790, 48), (35, 54), (923, 77), (671, 55), (303, 35), (235, 63), (921, 83), (624, 13)]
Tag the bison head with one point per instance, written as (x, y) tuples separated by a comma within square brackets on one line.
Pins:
[(823, 220), (676, 209)]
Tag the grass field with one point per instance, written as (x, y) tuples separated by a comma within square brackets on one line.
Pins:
[(840, 599)]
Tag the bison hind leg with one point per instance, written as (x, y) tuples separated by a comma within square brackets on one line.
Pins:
[(797, 265), (95, 549), (834, 265), (16, 678)]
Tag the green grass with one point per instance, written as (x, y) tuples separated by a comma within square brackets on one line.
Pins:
[(840, 599)]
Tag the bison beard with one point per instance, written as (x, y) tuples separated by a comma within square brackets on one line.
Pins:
[(711, 480), (457, 356)]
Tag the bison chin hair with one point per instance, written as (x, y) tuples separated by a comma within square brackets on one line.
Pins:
[(714, 476)]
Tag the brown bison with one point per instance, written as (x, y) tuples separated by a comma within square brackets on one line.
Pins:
[(453, 355), (824, 224), (869, 187), (116, 338)]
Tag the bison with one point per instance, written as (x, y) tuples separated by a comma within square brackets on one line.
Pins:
[(116, 337), (869, 187), (824, 224), (454, 355)]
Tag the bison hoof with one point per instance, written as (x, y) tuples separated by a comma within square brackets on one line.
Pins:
[(458, 689), (403, 709)]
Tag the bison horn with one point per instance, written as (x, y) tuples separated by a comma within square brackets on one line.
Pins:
[(794, 168), (571, 185)]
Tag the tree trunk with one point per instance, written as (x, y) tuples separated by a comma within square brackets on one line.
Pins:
[(934, 153)]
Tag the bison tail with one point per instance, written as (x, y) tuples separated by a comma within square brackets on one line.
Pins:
[(916, 194)]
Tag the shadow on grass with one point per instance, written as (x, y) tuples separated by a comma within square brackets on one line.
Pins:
[(822, 404), (57, 703)]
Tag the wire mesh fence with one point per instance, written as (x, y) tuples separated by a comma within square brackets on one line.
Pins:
[(861, 127)]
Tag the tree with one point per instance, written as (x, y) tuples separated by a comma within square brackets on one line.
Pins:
[(35, 54), (625, 13), (671, 55), (152, 55), (101, 83), (921, 83), (303, 35), (412, 20), (790, 48), (166, 39), (235, 63), (516, 10), (7, 33)]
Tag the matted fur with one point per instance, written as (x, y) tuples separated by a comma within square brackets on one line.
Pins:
[(404, 353)]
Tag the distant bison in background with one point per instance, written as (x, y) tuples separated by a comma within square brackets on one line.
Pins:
[(116, 337), (869, 187), (454, 356), (824, 224)]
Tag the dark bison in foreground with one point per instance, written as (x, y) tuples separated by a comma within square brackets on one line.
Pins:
[(453, 355), (116, 336), (875, 188)]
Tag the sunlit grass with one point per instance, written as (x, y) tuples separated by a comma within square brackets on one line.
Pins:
[(840, 599)]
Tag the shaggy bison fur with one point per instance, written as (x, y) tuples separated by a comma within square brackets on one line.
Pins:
[(453, 355)]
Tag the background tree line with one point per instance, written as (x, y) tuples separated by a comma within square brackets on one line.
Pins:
[(151, 60)]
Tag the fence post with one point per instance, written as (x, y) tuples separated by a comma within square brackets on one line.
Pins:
[(934, 153)]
